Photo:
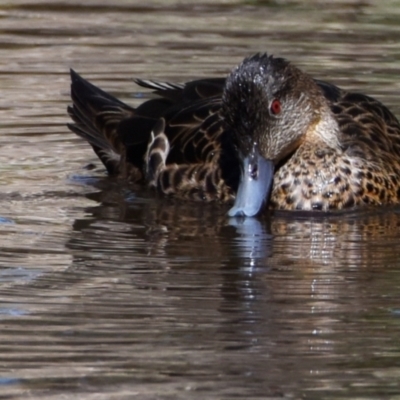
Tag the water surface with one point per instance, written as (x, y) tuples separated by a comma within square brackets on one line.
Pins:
[(108, 291)]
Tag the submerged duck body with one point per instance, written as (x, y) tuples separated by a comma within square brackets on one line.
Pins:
[(267, 135)]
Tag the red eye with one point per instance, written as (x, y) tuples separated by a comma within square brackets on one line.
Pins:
[(275, 107)]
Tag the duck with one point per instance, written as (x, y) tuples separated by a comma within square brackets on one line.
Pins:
[(266, 136)]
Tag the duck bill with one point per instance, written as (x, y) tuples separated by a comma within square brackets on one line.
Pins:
[(254, 187)]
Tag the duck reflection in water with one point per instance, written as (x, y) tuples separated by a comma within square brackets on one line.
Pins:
[(267, 136)]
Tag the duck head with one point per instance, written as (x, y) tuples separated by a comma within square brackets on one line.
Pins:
[(269, 105)]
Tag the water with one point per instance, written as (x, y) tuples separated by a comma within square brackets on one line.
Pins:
[(107, 292)]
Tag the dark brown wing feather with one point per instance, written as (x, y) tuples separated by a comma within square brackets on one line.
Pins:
[(192, 125), (201, 160), (366, 125), (188, 92), (97, 116), (198, 137)]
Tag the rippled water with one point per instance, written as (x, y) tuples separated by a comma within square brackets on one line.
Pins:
[(110, 293)]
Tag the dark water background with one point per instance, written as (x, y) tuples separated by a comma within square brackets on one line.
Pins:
[(107, 292)]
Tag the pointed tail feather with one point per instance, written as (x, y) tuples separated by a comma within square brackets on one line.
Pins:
[(96, 116)]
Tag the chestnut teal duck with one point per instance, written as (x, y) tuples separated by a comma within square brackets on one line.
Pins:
[(266, 136)]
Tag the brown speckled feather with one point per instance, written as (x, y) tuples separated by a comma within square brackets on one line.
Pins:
[(177, 143), (331, 149), (365, 171)]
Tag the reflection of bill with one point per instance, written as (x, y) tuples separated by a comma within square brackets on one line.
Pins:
[(253, 241)]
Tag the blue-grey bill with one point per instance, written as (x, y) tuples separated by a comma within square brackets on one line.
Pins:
[(253, 192)]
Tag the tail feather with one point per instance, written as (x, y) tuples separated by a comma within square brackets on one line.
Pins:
[(96, 116)]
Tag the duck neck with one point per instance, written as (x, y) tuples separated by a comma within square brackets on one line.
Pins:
[(326, 130)]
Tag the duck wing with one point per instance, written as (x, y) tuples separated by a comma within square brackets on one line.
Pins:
[(177, 141), (368, 128), (191, 152), (97, 116)]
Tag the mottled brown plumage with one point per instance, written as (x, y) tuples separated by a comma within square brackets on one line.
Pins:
[(364, 169), (328, 148)]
